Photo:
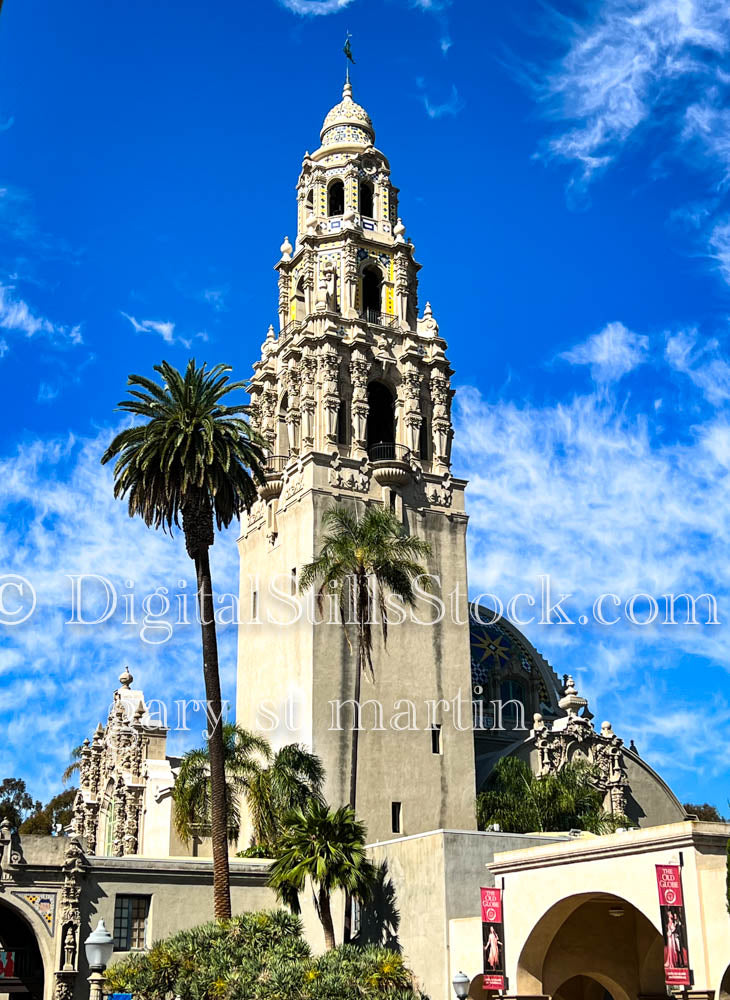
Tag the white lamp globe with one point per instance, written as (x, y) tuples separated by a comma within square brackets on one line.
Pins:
[(99, 946), (461, 983)]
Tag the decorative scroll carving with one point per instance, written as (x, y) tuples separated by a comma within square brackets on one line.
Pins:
[(576, 736)]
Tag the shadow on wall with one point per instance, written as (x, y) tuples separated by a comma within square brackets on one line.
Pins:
[(380, 917)]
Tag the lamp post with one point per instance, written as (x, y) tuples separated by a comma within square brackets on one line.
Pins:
[(99, 946), (461, 983)]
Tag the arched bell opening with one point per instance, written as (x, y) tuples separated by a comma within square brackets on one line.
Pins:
[(23, 971), (367, 200), (299, 302), (336, 198), (381, 421), (282, 434), (372, 294)]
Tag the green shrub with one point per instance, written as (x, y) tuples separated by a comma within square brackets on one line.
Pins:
[(259, 956)]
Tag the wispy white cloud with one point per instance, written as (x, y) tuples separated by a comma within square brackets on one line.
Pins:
[(54, 493), (704, 365), (599, 493), (612, 353), (16, 316), (719, 244), (216, 297), (452, 106), (166, 330), (313, 8), (619, 68)]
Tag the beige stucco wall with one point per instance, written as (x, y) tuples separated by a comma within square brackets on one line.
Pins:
[(564, 881), (313, 665), (434, 881)]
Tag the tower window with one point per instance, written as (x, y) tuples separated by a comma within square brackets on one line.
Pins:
[(294, 581), (336, 198), (343, 421), (512, 697), (372, 291), (367, 200), (381, 417), (310, 200), (436, 739), (423, 440), (396, 809)]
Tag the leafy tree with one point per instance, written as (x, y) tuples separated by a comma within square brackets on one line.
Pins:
[(271, 783), (16, 803), (259, 956), (58, 811), (194, 456), (705, 812), (328, 848), (520, 802)]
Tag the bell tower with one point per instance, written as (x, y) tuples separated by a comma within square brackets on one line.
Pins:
[(353, 397)]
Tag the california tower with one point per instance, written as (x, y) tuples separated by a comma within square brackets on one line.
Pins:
[(353, 397)]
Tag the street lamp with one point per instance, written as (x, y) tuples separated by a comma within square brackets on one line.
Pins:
[(99, 946), (461, 983)]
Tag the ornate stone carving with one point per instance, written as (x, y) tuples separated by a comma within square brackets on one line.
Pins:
[(441, 494), (349, 479), (330, 368), (574, 737)]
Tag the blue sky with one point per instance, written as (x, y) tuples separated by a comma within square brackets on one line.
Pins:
[(563, 172)]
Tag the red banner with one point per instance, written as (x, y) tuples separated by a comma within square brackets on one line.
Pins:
[(674, 926), (7, 964), (493, 939)]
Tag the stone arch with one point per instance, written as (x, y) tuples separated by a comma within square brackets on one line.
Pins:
[(282, 436), (597, 987), (20, 931), (596, 935)]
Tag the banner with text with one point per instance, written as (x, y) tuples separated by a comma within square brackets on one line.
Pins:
[(674, 926), (493, 939)]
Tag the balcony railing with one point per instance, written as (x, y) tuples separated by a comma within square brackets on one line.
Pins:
[(388, 451), (378, 318), (291, 327), (275, 464)]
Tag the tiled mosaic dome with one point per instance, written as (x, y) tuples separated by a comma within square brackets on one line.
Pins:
[(498, 645), (347, 122)]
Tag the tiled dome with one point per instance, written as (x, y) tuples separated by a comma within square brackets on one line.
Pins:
[(347, 123)]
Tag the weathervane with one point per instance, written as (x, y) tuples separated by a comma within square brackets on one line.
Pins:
[(347, 49)]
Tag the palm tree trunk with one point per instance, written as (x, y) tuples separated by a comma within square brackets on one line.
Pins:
[(325, 915), (219, 810), (347, 930)]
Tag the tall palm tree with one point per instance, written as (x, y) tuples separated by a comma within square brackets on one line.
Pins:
[(361, 559), (358, 554), (272, 784), (196, 456), (521, 802), (75, 766), (328, 848)]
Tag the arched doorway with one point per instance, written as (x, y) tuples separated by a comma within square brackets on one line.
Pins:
[(590, 944), (381, 419), (372, 292), (583, 988), (336, 198), (21, 957)]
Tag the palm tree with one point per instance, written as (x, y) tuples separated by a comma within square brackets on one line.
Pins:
[(75, 766), (194, 456), (328, 848), (271, 783), (521, 802), (357, 554)]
